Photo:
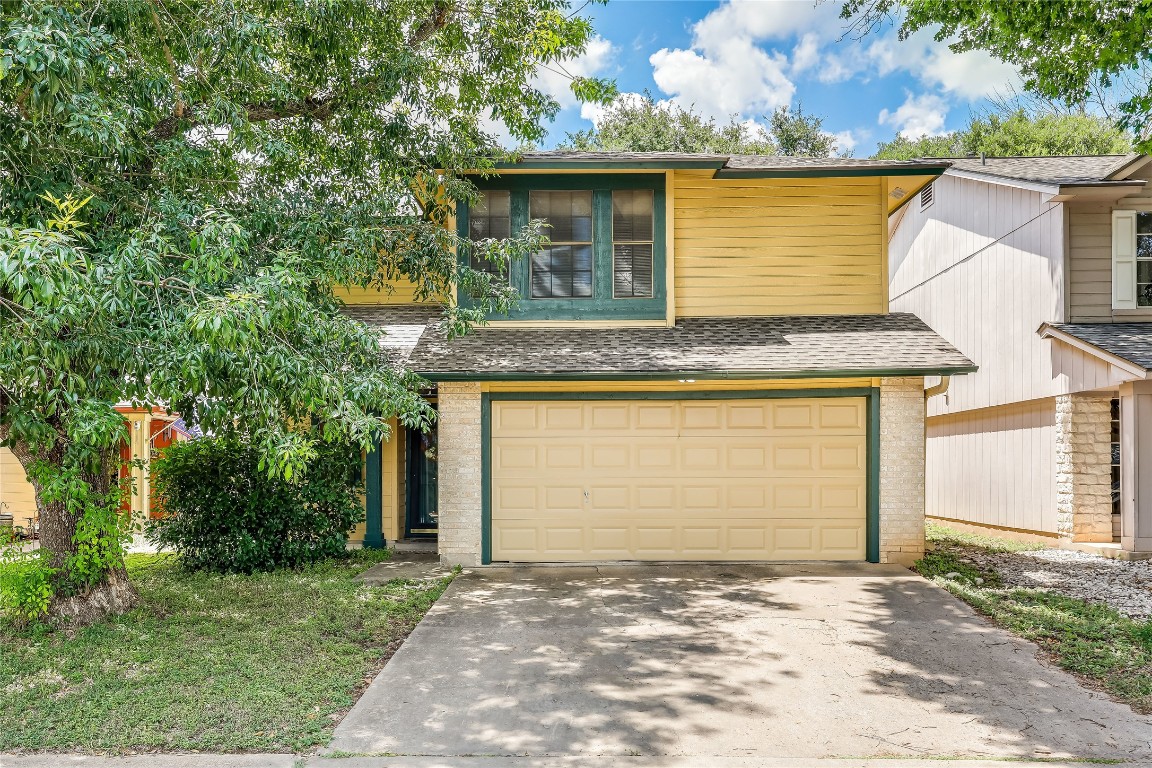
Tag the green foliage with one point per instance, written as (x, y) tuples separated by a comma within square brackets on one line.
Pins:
[(639, 123), (224, 512), (1016, 134), (212, 663), (944, 536), (1065, 50), (182, 185), (25, 583)]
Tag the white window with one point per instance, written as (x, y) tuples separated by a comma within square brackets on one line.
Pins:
[(1131, 259)]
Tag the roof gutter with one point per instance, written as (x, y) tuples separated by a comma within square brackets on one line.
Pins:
[(829, 172)]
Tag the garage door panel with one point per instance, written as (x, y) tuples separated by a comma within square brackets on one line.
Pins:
[(577, 539), (679, 480)]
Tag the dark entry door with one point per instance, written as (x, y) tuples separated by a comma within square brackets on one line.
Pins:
[(422, 518)]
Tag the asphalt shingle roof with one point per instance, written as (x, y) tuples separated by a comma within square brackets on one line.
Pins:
[(1130, 341), (727, 162), (400, 327), (1047, 170), (783, 346)]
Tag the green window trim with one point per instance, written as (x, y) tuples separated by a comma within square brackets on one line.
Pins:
[(602, 304), (870, 394)]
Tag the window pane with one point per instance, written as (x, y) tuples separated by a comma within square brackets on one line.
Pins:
[(632, 270), (568, 212), (561, 272), (1144, 246), (1144, 223), (1144, 283), (632, 215), (490, 218)]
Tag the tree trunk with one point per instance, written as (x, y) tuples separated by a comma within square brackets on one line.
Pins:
[(112, 594)]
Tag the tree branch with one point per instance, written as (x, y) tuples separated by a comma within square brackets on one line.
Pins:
[(442, 11)]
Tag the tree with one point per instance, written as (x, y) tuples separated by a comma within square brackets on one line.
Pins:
[(181, 187), (639, 123), (1066, 50), (1016, 133)]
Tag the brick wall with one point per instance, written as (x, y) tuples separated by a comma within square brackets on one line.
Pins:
[(459, 453), (901, 470), (1084, 467)]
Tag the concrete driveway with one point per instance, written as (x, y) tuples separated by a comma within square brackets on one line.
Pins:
[(797, 661)]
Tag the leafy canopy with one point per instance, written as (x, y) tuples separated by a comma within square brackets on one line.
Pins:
[(640, 123), (1065, 49), (184, 185), (1016, 133)]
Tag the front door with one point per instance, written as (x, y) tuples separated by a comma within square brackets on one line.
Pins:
[(421, 520)]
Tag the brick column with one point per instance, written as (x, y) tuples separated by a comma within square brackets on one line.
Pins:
[(1084, 467), (459, 470), (902, 411)]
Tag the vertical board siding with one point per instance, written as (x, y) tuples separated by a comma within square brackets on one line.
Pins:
[(983, 266), (778, 246), (17, 497), (996, 466)]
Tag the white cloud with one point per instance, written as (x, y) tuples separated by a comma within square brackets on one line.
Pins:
[(845, 142), (806, 54), (918, 116), (740, 78), (594, 113), (556, 78), (970, 75)]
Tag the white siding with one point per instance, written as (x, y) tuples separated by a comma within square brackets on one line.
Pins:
[(996, 466), (983, 266)]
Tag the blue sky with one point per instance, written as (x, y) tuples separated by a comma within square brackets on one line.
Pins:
[(746, 57)]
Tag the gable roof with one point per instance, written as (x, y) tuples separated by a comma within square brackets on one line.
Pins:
[(1053, 170), (714, 347), (727, 166), (1130, 342)]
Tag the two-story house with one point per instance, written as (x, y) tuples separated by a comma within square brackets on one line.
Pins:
[(702, 366), (1040, 270)]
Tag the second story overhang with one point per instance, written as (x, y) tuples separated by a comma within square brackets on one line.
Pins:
[(1101, 178)]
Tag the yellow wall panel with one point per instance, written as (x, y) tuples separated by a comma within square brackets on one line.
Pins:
[(778, 246), (17, 497), (403, 292)]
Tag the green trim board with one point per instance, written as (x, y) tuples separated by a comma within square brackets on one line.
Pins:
[(871, 395), (373, 497), (818, 373), (602, 304)]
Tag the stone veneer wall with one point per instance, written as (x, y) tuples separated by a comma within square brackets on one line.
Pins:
[(902, 443), (459, 464), (1084, 467)]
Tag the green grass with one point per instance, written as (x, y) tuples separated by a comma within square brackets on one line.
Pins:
[(267, 662), (942, 534), (1102, 646)]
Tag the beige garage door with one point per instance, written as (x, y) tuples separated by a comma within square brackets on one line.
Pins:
[(779, 479)]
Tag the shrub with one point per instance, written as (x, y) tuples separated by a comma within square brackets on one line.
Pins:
[(222, 512), (25, 581)]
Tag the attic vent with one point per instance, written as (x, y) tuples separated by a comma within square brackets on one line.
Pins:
[(926, 196)]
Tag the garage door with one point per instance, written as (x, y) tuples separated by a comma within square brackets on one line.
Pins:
[(777, 479)]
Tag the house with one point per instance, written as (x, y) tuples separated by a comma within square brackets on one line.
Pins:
[(1040, 270), (702, 366), (149, 430)]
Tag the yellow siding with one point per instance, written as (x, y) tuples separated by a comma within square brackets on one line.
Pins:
[(403, 292), (778, 246), (17, 497)]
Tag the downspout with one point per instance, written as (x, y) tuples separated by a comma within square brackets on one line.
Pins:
[(938, 389)]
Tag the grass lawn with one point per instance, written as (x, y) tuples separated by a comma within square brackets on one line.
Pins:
[(268, 662), (1105, 648)]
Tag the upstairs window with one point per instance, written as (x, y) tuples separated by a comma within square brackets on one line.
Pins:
[(605, 257), (1131, 260), (490, 218), (562, 269), (632, 233)]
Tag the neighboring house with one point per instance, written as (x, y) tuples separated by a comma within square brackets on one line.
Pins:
[(702, 366), (1040, 270), (149, 432)]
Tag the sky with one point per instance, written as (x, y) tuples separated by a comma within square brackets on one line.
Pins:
[(747, 57)]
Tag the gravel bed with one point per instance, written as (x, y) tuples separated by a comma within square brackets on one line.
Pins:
[(1126, 585)]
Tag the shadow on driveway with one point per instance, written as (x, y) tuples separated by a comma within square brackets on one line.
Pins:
[(802, 660)]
